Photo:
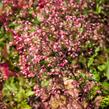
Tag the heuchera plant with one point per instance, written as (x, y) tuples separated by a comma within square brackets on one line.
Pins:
[(54, 40)]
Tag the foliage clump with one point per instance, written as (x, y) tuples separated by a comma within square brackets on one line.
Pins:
[(62, 45), (16, 92)]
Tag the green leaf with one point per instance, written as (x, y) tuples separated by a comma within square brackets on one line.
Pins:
[(102, 67), (82, 75), (92, 58), (36, 21), (90, 62), (29, 93), (92, 93), (96, 51), (105, 103), (105, 86), (107, 69), (69, 59), (13, 25), (23, 105), (43, 62), (96, 75), (2, 44), (45, 83), (1, 4), (20, 95), (81, 29), (98, 9)]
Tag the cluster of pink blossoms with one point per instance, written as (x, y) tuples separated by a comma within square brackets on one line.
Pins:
[(62, 30), (56, 38)]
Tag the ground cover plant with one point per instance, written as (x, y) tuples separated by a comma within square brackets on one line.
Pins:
[(54, 54)]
